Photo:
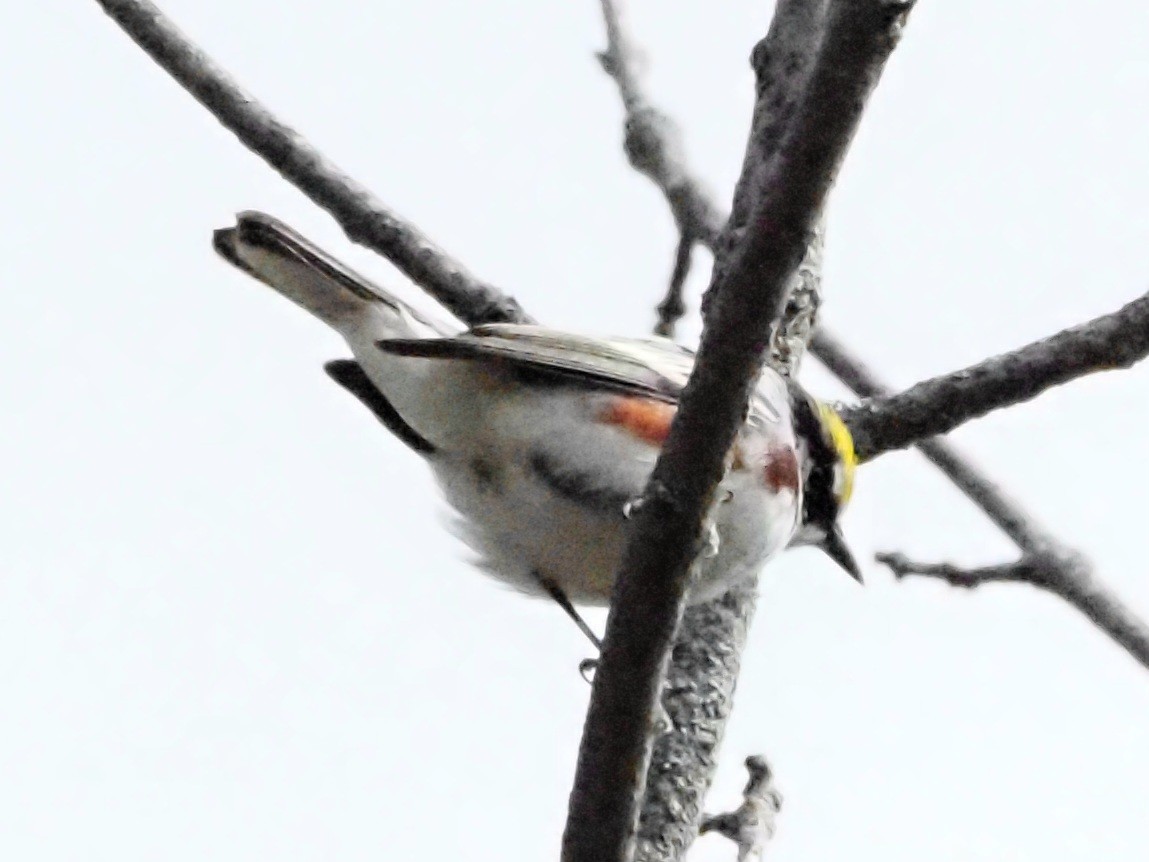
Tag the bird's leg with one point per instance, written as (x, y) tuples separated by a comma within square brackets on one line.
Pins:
[(556, 592), (587, 666)]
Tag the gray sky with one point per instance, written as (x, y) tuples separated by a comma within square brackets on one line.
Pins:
[(231, 623)]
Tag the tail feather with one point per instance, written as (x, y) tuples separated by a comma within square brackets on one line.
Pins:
[(292, 265)]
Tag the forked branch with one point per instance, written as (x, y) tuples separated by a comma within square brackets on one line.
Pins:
[(784, 184), (809, 125), (937, 406), (705, 661), (1045, 562), (889, 421)]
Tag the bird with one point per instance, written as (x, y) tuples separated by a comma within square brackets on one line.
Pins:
[(542, 440)]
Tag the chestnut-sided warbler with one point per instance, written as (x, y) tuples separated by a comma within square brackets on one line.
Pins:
[(541, 439)]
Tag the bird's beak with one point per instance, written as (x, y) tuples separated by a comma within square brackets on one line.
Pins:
[(835, 546)]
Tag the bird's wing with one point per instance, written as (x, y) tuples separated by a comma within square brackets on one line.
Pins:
[(648, 368)]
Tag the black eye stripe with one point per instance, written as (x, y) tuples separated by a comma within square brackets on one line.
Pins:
[(819, 505)]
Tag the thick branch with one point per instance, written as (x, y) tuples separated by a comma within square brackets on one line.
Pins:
[(936, 406), (698, 693), (363, 217), (1065, 572), (782, 200)]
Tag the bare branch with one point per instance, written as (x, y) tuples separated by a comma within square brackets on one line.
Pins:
[(936, 406), (653, 144), (1045, 562), (752, 824), (1055, 569), (698, 693), (658, 154), (1024, 570), (777, 206), (691, 758), (673, 306), (653, 140), (363, 217), (832, 352), (1005, 512)]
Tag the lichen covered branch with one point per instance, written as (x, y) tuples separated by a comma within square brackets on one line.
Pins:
[(752, 824)]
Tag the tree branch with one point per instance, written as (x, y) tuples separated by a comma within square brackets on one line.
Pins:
[(653, 143), (936, 406), (684, 760), (999, 507), (879, 427), (698, 696), (1055, 569), (367, 221), (652, 139), (777, 206), (704, 665), (673, 305), (363, 217), (752, 824), (1045, 562)]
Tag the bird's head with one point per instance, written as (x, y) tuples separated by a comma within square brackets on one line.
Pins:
[(829, 465)]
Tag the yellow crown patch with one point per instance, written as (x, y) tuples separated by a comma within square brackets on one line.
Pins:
[(843, 443)]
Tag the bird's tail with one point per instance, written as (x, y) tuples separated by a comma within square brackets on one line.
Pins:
[(292, 265)]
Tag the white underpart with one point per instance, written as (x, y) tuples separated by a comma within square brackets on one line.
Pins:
[(521, 527)]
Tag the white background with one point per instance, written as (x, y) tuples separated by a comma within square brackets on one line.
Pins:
[(231, 623)]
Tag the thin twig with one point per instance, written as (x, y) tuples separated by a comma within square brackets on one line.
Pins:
[(782, 200), (1055, 569), (936, 406), (673, 305), (653, 144), (652, 139), (752, 824), (363, 217), (1024, 570)]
